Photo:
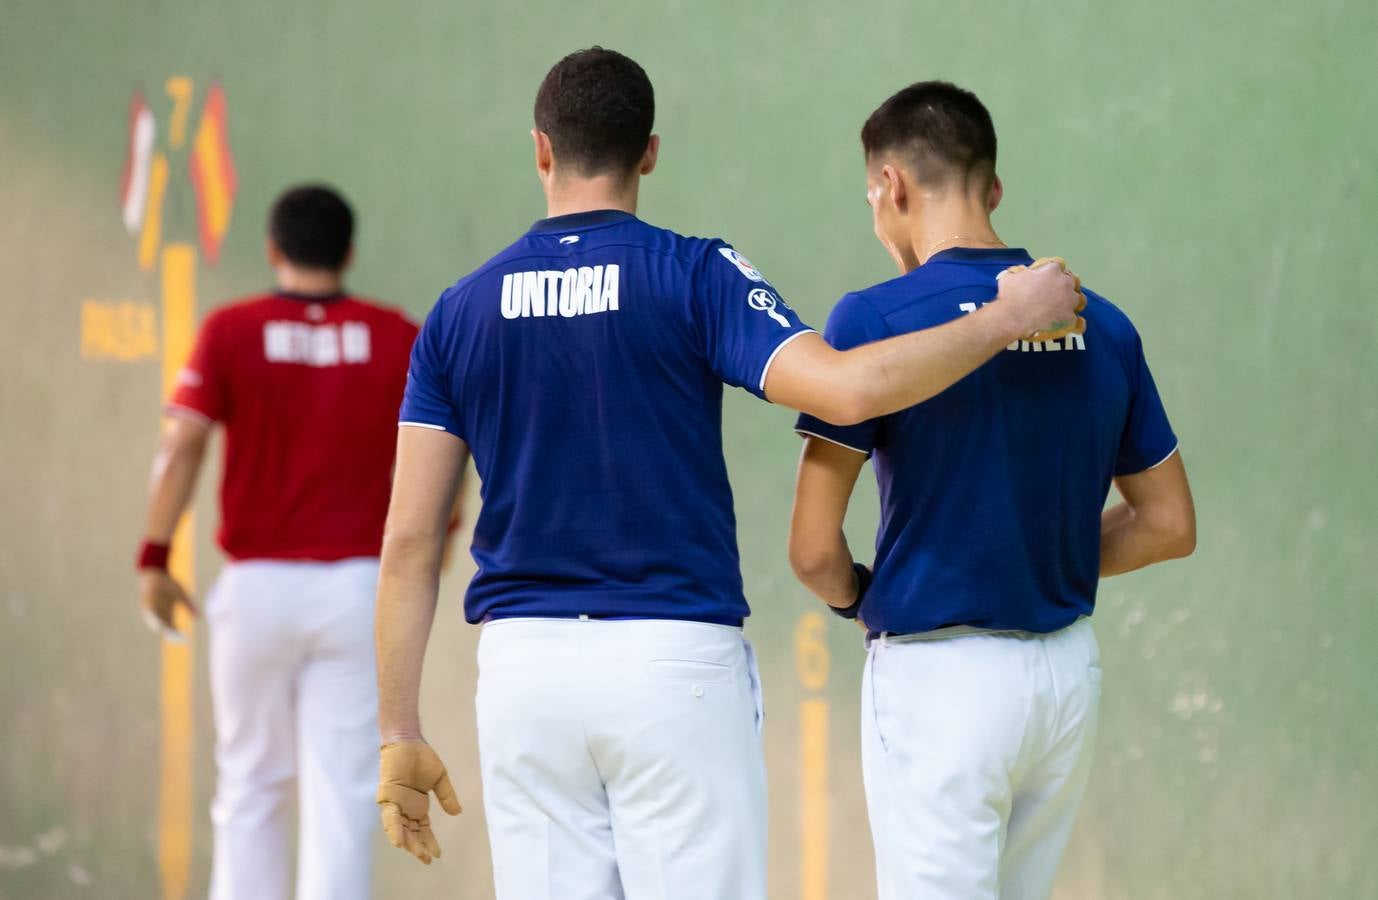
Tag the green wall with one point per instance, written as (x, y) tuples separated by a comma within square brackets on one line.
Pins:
[(1211, 167)]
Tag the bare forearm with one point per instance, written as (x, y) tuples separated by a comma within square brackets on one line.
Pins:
[(829, 574), (884, 377), (1130, 541), (408, 584), (880, 378), (429, 465), (1156, 521), (818, 550), (171, 485), (903, 371)]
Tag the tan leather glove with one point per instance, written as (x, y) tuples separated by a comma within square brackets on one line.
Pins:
[(1061, 329), (409, 771)]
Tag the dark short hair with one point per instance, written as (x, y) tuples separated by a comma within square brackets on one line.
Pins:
[(598, 107), (942, 131), (313, 226)]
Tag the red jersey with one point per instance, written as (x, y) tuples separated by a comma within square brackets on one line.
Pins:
[(308, 391)]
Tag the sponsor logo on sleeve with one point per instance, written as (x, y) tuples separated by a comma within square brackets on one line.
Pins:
[(763, 300), (742, 263)]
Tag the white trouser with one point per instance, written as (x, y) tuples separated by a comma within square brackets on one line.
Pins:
[(621, 759), (296, 699), (976, 750)]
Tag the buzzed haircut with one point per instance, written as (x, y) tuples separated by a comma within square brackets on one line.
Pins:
[(598, 107), (313, 226), (940, 130)]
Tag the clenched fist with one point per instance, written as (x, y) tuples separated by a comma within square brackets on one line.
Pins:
[(1048, 298), (409, 771)]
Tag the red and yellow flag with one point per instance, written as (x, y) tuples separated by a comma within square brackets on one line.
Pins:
[(212, 174)]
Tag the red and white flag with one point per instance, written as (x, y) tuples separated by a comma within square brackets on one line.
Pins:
[(134, 184)]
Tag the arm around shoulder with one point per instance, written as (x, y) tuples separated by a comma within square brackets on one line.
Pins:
[(875, 379), (846, 387)]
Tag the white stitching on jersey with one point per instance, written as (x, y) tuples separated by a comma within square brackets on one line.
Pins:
[(802, 433), (776, 352)]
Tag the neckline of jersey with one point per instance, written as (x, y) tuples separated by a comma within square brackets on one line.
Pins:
[(1013, 255), (580, 221), (310, 298)]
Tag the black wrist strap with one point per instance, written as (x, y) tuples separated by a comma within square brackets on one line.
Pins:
[(863, 581)]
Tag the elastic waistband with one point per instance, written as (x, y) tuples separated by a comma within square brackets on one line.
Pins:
[(885, 638), (724, 621), (248, 562)]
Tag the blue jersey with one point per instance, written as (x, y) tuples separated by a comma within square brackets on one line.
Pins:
[(991, 492), (584, 367)]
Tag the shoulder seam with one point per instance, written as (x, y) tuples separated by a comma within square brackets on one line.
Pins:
[(1092, 296), (885, 323)]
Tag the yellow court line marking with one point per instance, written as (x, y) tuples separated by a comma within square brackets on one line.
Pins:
[(178, 669), (813, 799), (152, 233)]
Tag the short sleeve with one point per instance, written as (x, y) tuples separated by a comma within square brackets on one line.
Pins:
[(853, 322), (1148, 439), (741, 319), (427, 401), (202, 389)]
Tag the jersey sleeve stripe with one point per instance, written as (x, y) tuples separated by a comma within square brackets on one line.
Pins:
[(1171, 453), (803, 433), (429, 425), (776, 352)]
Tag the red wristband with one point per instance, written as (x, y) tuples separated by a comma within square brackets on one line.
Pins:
[(153, 556)]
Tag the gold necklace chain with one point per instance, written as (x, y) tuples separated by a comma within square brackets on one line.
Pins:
[(960, 237)]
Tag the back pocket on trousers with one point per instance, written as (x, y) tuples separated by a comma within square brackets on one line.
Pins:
[(689, 670)]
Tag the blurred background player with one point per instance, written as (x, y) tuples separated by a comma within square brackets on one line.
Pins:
[(982, 680), (306, 381), (618, 703)]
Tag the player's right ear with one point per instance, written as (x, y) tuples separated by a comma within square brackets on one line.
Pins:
[(895, 188), (275, 256), (648, 159), (997, 191), (545, 154)]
